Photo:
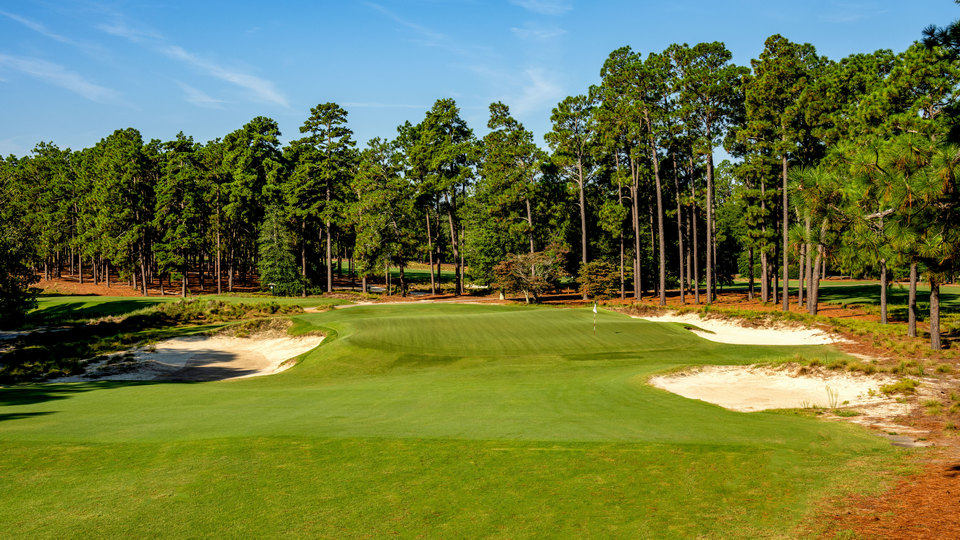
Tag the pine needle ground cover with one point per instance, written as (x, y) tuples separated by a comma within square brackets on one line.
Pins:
[(436, 420)]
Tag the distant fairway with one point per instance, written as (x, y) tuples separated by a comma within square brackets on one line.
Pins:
[(443, 420)]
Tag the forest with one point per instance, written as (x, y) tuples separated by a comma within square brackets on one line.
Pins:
[(846, 164)]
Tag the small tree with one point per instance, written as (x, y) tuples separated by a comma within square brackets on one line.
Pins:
[(278, 265), (531, 273), (599, 280)]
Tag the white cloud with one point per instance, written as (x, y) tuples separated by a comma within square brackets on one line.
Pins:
[(38, 27), (429, 36), (545, 7), (58, 75), (538, 90), (843, 12), (534, 32), (198, 97), (89, 48), (262, 89), (121, 28)]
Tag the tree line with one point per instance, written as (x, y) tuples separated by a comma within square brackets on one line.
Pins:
[(850, 163)]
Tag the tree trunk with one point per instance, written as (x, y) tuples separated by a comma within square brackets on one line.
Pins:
[(653, 241), (912, 302), (433, 281), (106, 265), (583, 216), (529, 224), (710, 229), (883, 291), (230, 269), (801, 277), (143, 275), (935, 314), (785, 304), (750, 262), (363, 283), (676, 186), (456, 249), (813, 297), (635, 211), (80, 267), (184, 284), (200, 274), (808, 265), (764, 271), (219, 257), (693, 235), (403, 282), (661, 241), (329, 253), (303, 255)]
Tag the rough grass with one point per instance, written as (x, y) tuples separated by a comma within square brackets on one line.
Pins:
[(63, 350), (53, 310), (429, 420)]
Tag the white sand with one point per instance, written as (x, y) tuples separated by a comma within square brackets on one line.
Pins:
[(729, 331), (200, 358), (751, 388)]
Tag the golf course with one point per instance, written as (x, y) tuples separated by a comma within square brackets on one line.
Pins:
[(437, 420)]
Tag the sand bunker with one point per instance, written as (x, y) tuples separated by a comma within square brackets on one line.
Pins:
[(200, 358), (729, 331), (752, 388)]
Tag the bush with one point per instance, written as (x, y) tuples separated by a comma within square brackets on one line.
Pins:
[(599, 280), (531, 273)]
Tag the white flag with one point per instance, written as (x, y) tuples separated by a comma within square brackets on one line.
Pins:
[(594, 307)]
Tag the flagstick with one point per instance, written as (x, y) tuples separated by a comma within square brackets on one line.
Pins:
[(594, 319)]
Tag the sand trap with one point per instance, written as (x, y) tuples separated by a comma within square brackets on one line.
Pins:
[(730, 331), (200, 358), (752, 388)]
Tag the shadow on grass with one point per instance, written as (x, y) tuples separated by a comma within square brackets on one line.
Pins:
[(75, 311), (19, 416), (41, 393)]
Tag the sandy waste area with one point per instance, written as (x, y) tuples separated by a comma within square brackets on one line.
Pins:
[(756, 388), (788, 386), (200, 358), (730, 331)]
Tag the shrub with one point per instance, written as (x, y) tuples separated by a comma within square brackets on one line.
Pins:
[(599, 280)]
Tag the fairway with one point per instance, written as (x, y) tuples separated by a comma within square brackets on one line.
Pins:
[(437, 420)]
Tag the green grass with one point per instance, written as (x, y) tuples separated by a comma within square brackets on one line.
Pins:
[(436, 420)]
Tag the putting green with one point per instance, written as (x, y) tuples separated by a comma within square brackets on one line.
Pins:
[(445, 420)]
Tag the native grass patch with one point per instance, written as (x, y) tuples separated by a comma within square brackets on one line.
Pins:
[(450, 420), (98, 329)]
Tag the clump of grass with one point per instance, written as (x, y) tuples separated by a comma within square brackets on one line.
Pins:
[(846, 413), (944, 368), (933, 406), (863, 367), (903, 386)]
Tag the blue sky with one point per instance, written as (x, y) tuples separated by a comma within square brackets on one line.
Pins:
[(71, 72)]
